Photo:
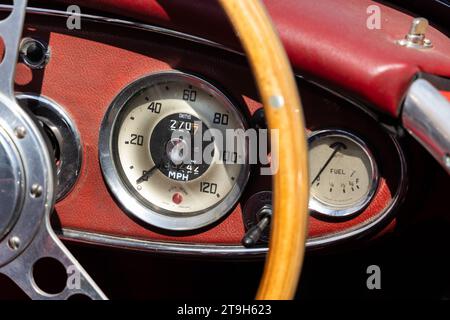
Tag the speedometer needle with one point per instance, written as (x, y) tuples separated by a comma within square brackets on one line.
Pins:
[(336, 146), (146, 175)]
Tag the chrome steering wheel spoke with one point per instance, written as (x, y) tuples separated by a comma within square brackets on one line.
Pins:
[(46, 245), (27, 177)]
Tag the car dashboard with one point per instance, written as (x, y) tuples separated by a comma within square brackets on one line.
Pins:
[(97, 77), (164, 165)]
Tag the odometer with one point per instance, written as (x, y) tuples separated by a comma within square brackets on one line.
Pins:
[(161, 156)]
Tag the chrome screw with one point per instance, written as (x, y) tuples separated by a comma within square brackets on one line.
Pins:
[(20, 132), (36, 190), (14, 243)]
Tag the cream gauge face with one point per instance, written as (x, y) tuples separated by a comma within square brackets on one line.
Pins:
[(162, 155), (343, 174)]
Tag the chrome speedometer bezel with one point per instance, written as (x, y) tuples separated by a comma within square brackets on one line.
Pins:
[(321, 210), (127, 198)]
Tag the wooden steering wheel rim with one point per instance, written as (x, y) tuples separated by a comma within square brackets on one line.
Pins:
[(283, 111)]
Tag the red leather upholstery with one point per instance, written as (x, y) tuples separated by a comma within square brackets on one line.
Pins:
[(327, 39)]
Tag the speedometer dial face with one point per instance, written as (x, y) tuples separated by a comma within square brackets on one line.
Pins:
[(343, 173), (162, 154)]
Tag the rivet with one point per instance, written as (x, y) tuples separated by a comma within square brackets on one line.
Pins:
[(36, 190), (20, 132), (14, 243), (276, 101)]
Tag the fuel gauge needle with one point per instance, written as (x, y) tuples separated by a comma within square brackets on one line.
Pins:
[(336, 146)]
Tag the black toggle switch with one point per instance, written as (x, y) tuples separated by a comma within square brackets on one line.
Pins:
[(253, 235)]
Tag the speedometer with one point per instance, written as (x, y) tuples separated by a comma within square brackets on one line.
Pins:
[(165, 155)]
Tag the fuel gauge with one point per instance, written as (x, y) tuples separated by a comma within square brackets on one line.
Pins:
[(343, 174)]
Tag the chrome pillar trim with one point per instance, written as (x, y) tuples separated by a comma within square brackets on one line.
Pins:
[(426, 116), (29, 237)]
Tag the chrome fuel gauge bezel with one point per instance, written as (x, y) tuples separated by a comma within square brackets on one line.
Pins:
[(321, 210)]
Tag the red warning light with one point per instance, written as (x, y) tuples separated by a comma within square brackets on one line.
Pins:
[(177, 198)]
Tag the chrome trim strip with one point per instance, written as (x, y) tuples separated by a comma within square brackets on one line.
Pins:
[(162, 247), (130, 24), (426, 116), (220, 250)]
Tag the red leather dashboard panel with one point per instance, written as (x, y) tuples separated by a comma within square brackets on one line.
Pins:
[(88, 68), (327, 39), (84, 76)]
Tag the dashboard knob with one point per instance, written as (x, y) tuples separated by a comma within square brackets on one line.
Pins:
[(416, 38), (257, 215), (254, 234)]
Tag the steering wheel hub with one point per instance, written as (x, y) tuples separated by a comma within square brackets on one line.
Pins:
[(27, 184), (11, 184)]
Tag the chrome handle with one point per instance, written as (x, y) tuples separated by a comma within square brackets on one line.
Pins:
[(426, 116)]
